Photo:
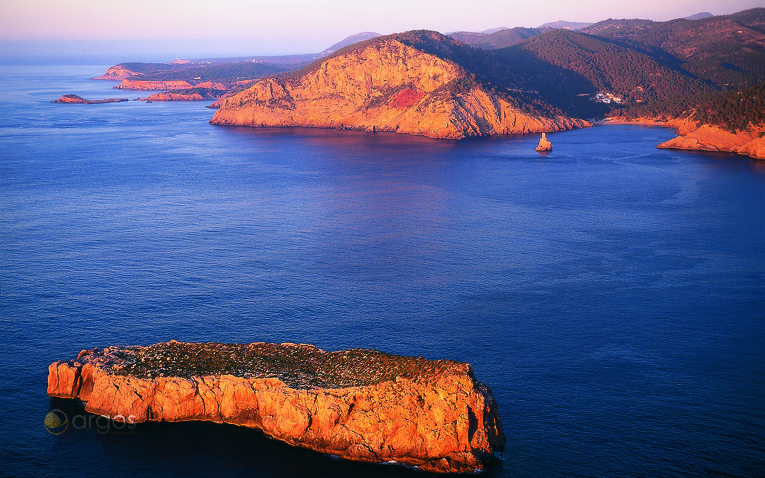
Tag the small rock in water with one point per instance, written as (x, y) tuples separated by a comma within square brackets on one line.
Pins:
[(544, 144)]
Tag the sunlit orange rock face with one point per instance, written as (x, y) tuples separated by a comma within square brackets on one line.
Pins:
[(713, 138), (385, 85), (358, 404)]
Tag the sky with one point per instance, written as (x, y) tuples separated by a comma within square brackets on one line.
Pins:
[(204, 28)]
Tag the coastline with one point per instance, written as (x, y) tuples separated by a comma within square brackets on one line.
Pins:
[(692, 137)]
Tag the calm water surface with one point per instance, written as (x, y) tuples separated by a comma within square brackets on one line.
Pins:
[(610, 293)]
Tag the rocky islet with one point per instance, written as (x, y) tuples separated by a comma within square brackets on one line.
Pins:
[(359, 404)]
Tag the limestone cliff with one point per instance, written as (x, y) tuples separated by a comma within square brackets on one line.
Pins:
[(386, 85), (359, 404)]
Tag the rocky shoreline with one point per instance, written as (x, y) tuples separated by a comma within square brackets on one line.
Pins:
[(358, 404), (694, 137)]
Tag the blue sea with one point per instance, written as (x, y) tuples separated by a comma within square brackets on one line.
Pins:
[(611, 294)]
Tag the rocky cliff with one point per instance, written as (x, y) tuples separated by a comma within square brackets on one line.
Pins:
[(359, 404), (713, 138), (386, 85), (695, 137)]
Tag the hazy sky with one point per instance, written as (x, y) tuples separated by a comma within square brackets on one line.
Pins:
[(226, 27)]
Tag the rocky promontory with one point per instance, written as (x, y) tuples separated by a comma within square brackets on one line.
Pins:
[(358, 404), (386, 84), (692, 136), (75, 99), (116, 72)]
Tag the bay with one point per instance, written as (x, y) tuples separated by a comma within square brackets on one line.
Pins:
[(611, 294)]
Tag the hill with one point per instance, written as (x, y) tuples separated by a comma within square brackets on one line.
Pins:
[(699, 16), (499, 39), (565, 25), (359, 37), (568, 68), (726, 51), (420, 83)]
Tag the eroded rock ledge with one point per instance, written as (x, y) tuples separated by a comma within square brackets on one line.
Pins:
[(359, 404)]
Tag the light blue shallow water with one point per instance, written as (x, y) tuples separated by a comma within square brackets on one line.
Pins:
[(611, 294)]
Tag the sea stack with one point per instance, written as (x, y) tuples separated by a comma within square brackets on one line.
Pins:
[(358, 404), (544, 144)]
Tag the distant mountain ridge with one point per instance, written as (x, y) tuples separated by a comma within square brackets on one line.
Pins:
[(699, 16), (359, 37), (566, 25), (500, 39), (726, 51)]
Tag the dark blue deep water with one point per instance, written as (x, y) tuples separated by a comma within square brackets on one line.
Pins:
[(610, 293)]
